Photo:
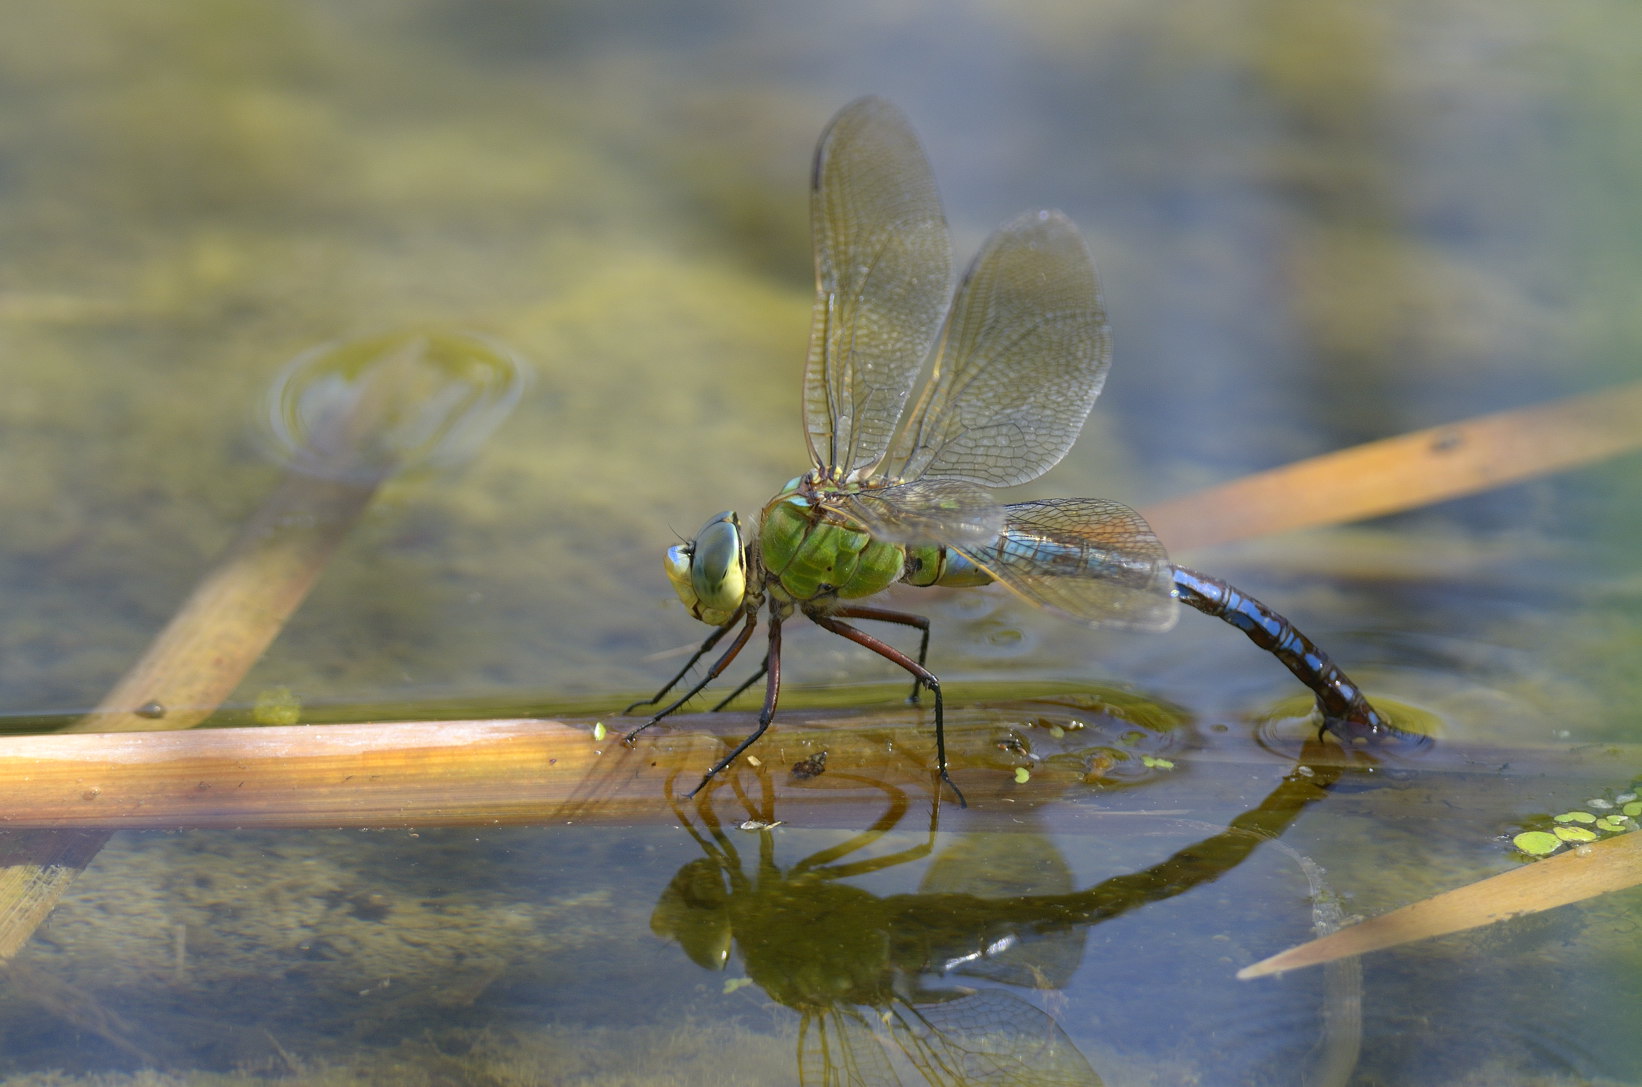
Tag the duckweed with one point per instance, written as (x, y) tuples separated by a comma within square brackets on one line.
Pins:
[(1537, 843), (1616, 813)]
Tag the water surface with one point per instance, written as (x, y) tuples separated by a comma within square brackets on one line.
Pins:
[(1316, 224)]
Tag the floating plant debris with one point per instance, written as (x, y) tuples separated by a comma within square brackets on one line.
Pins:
[(1537, 843), (1601, 817)]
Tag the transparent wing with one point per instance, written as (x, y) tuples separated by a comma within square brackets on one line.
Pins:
[(883, 270), (1008, 864), (1022, 359), (1087, 558), (847, 1055), (926, 511), (990, 1037)]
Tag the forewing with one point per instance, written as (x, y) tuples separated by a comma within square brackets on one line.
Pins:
[(883, 270), (1022, 359), (1087, 558)]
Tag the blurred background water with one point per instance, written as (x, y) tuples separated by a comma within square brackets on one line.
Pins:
[(1316, 224)]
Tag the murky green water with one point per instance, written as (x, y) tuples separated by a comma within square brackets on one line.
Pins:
[(1316, 224)]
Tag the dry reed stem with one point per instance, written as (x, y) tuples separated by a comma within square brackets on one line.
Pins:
[(1590, 870), (400, 774), (536, 772), (1407, 472), (481, 772), (235, 611)]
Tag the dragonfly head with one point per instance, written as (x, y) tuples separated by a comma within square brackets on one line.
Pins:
[(710, 572)]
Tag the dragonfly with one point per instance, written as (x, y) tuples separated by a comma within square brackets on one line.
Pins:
[(900, 490), (884, 985)]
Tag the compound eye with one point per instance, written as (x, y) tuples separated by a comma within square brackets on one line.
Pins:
[(677, 564), (718, 565)]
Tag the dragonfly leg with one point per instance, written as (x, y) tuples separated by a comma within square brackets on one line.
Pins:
[(906, 619), (920, 674), (824, 860), (719, 665), (1346, 711), (737, 693), (772, 692), (701, 651)]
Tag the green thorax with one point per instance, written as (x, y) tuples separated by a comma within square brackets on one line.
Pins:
[(811, 554)]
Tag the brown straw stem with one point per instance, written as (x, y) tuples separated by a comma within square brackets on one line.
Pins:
[(525, 771), (1407, 472), (1614, 864)]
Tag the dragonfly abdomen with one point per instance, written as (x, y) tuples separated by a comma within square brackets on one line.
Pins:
[(1342, 702), (934, 565)]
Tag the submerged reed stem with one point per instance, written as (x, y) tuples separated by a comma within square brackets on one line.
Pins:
[(357, 413)]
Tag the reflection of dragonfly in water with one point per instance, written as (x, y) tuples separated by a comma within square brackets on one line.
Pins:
[(899, 493), (877, 978), (858, 967)]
